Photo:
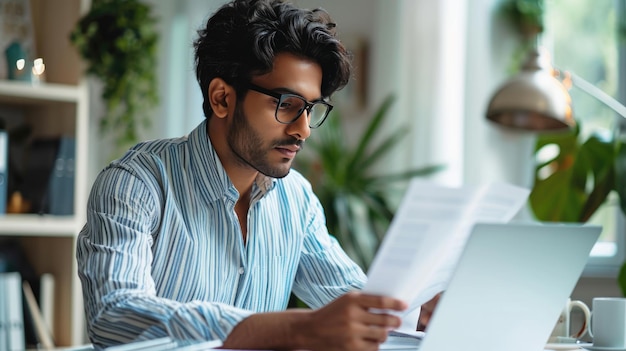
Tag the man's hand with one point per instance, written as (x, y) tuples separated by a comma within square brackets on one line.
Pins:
[(349, 324), (345, 324), (426, 312)]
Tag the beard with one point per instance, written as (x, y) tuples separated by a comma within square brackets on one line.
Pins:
[(248, 147)]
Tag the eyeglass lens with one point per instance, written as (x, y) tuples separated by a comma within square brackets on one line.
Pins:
[(291, 107)]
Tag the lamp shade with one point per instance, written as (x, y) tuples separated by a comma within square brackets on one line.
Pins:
[(532, 100)]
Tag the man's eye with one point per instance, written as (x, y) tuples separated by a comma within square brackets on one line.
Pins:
[(285, 105), (291, 103)]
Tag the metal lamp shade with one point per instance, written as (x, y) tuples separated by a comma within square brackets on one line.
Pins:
[(533, 100)]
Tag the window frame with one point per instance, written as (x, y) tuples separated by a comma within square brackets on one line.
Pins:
[(609, 266)]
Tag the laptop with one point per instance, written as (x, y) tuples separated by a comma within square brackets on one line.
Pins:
[(508, 287)]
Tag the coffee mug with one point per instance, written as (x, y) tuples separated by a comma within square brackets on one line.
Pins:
[(561, 331), (608, 322)]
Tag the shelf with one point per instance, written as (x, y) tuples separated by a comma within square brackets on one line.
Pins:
[(56, 107), (38, 225), (17, 91)]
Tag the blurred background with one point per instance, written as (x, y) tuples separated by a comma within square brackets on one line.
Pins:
[(442, 60)]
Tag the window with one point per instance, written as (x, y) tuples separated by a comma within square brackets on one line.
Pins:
[(583, 37)]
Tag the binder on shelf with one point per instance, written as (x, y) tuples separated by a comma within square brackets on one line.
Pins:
[(61, 185), (13, 261), (33, 166), (13, 310), (4, 170), (46, 300), (4, 325)]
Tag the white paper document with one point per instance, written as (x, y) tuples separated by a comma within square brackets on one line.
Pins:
[(426, 237)]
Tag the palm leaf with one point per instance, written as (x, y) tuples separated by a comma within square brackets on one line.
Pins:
[(381, 150), (370, 131)]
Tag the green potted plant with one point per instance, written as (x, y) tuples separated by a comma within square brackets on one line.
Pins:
[(572, 185), (118, 40), (526, 15), (355, 197)]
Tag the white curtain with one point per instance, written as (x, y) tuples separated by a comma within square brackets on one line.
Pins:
[(443, 60), (419, 56)]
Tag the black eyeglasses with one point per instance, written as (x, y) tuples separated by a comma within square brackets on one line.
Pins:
[(290, 107)]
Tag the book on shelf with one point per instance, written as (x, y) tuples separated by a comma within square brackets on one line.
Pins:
[(13, 261), (38, 168), (4, 169), (46, 300), (4, 335), (13, 313), (38, 325), (36, 320), (61, 184)]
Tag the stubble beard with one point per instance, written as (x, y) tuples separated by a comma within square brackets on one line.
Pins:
[(247, 145)]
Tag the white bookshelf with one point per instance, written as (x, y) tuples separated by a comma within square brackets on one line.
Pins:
[(38, 225), (58, 106), (38, 93)]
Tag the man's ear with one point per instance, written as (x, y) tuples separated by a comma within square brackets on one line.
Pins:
[(221, 95)]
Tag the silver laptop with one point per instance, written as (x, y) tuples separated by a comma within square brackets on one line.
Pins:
[(509, 287)]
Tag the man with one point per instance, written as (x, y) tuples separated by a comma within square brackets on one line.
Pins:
[(205, 236)]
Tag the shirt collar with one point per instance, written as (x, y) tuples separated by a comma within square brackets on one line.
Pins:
[(211, 178)]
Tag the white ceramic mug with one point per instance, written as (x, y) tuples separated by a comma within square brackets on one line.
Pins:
[(608, 322), (562, 332)]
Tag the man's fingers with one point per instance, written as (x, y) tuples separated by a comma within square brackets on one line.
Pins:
[(375, 333), (379, 302), (385, 321)]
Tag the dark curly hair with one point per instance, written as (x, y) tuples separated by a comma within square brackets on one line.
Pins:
[(244, 36)]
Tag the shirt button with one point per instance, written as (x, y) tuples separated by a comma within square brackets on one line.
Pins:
[(241, 270)]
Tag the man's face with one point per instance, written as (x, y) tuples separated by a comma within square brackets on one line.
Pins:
[(255, 136)]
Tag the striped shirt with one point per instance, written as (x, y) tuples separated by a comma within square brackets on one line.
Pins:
[(162, 252)]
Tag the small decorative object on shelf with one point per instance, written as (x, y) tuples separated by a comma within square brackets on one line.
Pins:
[(16, 39), (16, 62), (38, 70), (17, 67)]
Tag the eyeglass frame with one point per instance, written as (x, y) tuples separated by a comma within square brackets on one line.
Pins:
[(307, 105)]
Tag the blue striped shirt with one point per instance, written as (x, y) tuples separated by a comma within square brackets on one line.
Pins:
[(162, 252)]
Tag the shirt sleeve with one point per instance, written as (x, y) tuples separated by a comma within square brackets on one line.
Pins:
[(325, 271), (114, 264)]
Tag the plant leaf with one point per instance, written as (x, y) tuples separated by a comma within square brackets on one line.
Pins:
[(370, 131), (379, 151), (567, 194), (620, 176), (355, 200), (598, 156)]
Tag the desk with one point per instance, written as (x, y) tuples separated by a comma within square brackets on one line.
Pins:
[(393, 343)]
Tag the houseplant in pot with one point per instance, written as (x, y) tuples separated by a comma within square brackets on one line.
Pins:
[(355, 197), (573, 184)]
